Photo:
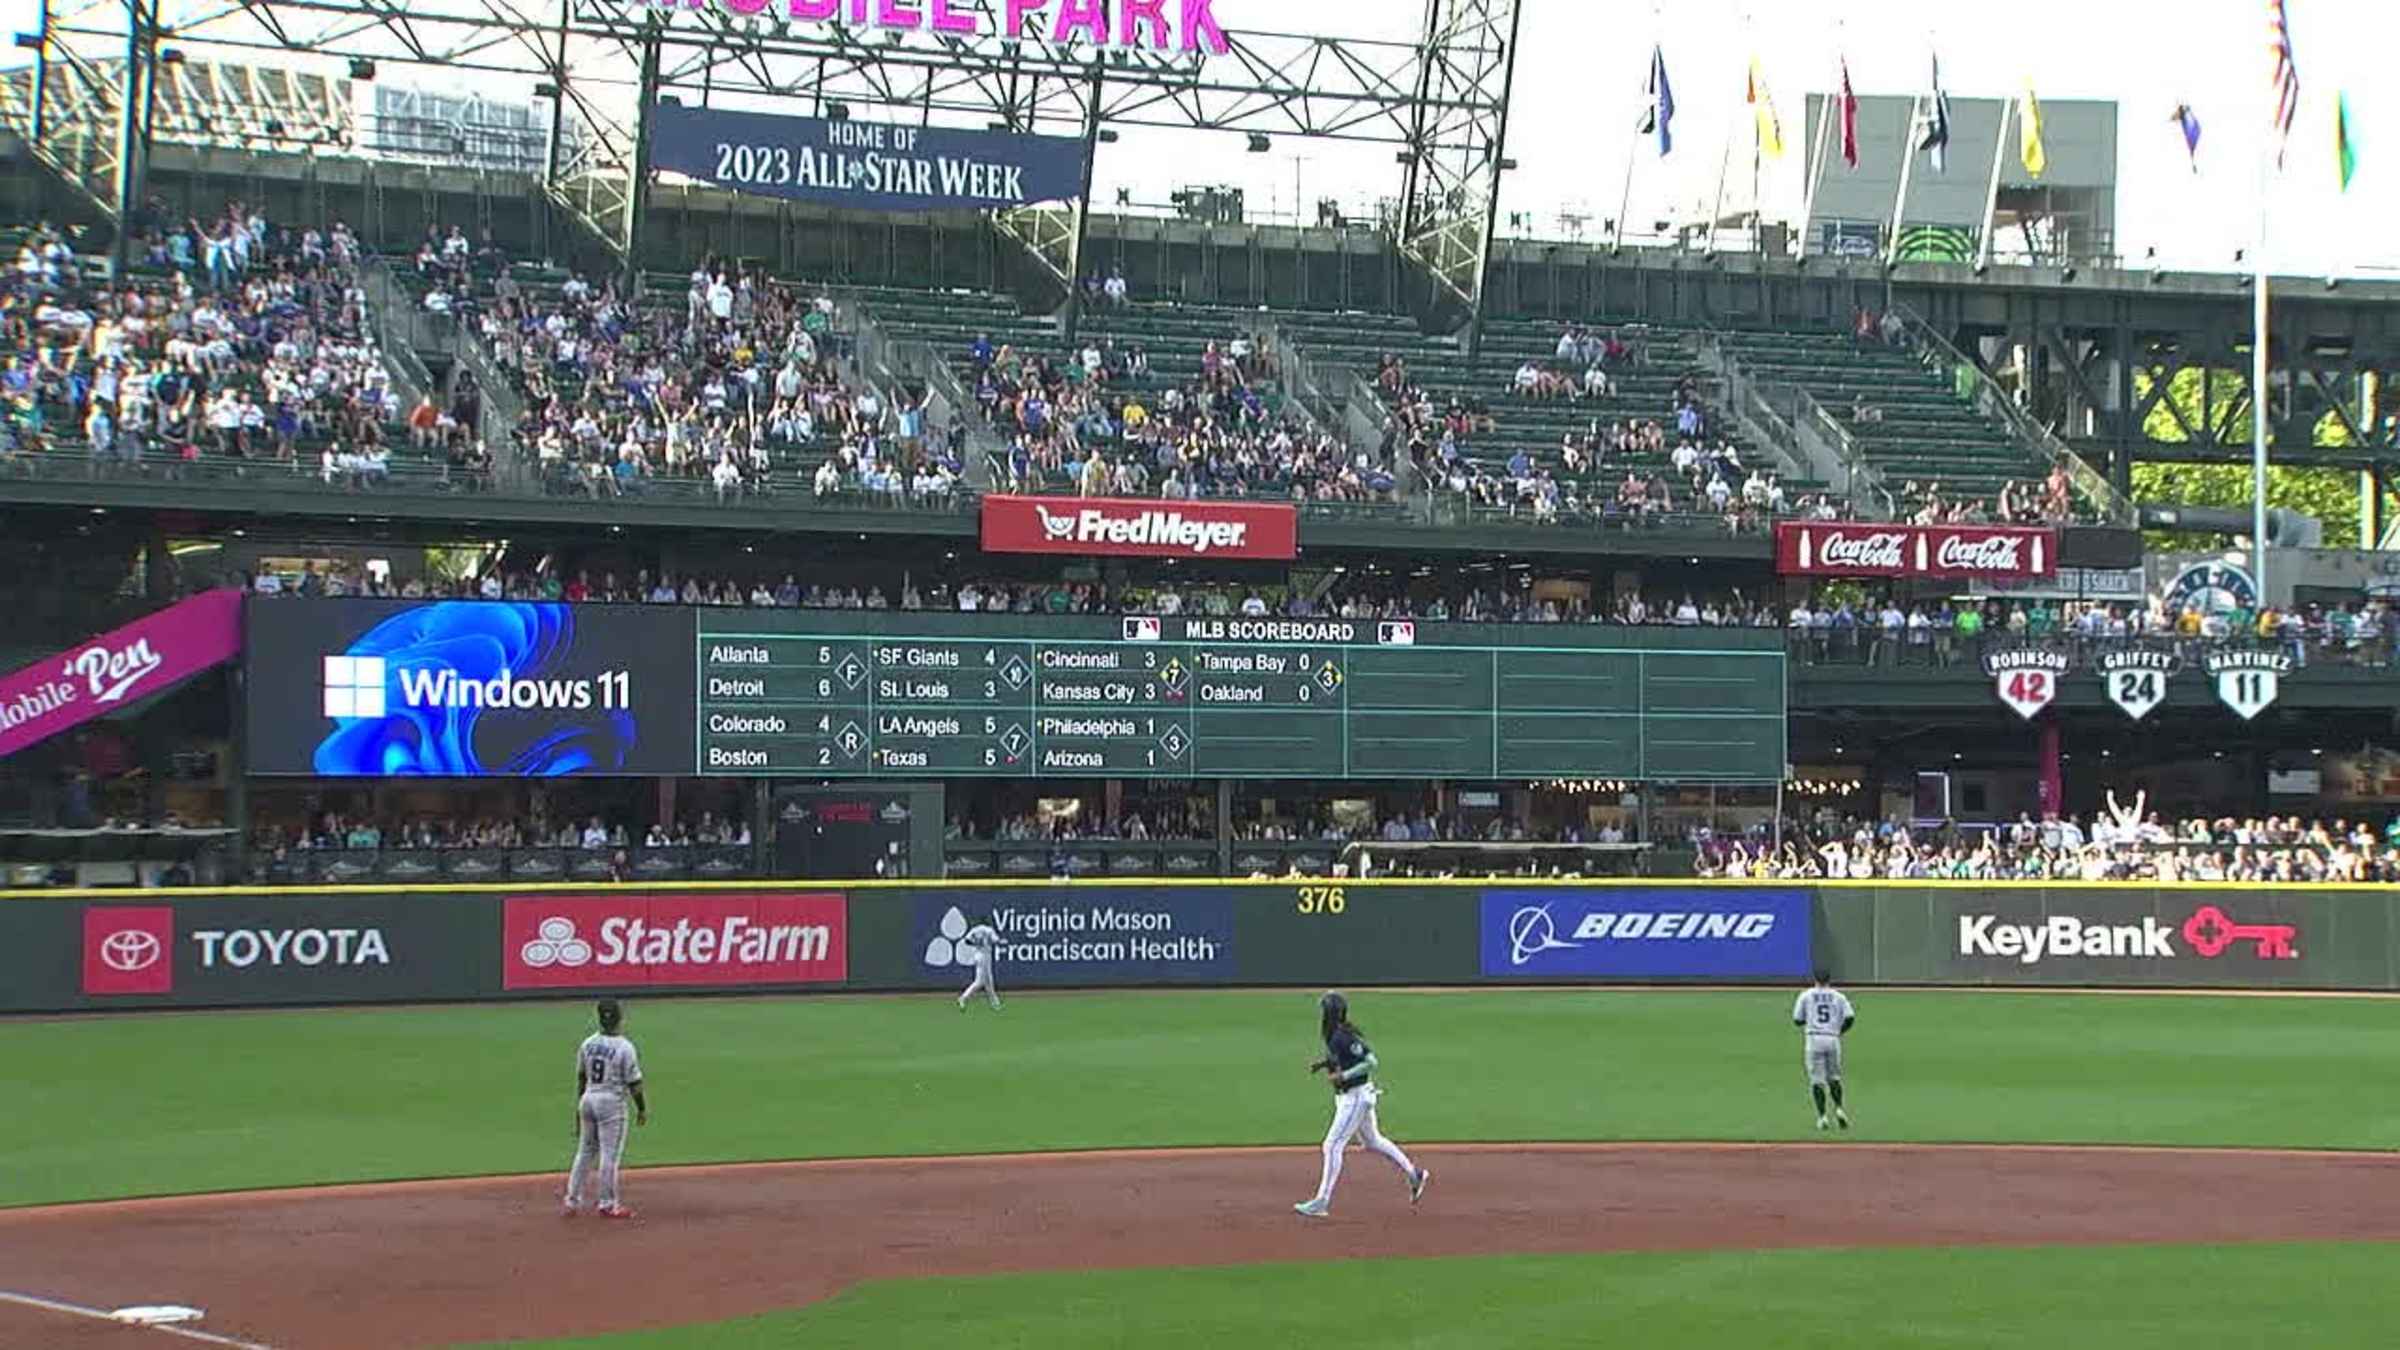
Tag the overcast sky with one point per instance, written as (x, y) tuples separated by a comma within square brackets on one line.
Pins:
[(1579, 77)]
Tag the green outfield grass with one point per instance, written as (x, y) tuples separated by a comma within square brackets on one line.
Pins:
[(133, 1105), (2125, 1298)]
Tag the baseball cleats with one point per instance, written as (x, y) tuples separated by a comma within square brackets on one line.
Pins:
[(1823, 1123), (1416, 1184), (567, 1210), (613, 1212), (1841, 1117), (1312, 1209)]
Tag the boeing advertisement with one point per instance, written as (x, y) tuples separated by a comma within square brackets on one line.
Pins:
[(1640, 933), (468, 689)]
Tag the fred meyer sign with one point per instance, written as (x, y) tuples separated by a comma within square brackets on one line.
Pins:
[(1875, 549), (1140, 527), (1152, 25), (866, 165)]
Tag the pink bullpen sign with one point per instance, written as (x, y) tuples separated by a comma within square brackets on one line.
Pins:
[(119, 667)]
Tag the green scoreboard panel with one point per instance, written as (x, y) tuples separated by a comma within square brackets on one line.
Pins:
[(914, 695)]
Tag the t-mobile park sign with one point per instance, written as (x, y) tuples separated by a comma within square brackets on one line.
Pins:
[(1874, 549), (1154, 25), (1140, 527)]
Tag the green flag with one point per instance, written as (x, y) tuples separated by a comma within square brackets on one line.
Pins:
[(2345, 150)]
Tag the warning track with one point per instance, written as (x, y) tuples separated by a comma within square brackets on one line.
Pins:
[(440, 1262)]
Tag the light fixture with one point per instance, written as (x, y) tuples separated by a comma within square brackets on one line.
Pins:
[(545, 90), (1259, 144), (837, 112), (361, 68)]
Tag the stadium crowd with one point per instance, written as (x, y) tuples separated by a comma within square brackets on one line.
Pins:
[(1841, 625), (231, 343), (1098, 422), (2123, 842), (340, 830)]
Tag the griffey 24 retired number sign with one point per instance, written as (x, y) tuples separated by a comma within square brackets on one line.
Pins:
[(2136, 681), (2026, 678)]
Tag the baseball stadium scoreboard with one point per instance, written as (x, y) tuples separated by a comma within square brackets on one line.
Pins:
[(468, 688)]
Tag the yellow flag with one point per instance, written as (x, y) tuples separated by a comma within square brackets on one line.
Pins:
[(2029, 135), (1762, 104)]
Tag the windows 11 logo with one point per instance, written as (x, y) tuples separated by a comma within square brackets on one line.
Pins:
[(354, 686)]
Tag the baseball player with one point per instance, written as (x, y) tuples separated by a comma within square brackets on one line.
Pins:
[(982, 941), (607, 1071), (1351, 1067), (1823, 1015)]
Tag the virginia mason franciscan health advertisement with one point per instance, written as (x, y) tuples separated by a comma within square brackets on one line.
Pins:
[(868, 165)]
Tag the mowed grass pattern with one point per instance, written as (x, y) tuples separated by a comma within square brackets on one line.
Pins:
[(140, 1105), (2324, 1296)]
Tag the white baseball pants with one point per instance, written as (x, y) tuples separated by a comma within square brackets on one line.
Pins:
[(601, 1141), (983, 984), (1354, 1114)]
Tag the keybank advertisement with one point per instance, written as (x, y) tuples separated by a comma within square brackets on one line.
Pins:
[(2097, 935), (468, 689), (1116, 936), (1646, 933)]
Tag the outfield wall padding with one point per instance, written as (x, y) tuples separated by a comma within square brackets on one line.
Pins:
[(99, 951)]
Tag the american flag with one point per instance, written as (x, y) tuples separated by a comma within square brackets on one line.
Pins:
[(2287, 79)]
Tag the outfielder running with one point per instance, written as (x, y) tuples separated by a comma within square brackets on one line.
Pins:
[(1823, 1014), (607, 1071), (982, 943), (1351, 1066)]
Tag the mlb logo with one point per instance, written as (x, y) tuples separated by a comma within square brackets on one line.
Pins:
[(129, 949), (1141, 628), (1397, 633)]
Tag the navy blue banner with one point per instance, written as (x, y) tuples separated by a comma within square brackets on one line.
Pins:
[(1679, 933), (1123, 936), (874, 166)]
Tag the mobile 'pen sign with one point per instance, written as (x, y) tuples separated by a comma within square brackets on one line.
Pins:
[(1154, 25)]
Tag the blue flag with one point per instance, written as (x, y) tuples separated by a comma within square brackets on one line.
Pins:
[(1659, 112)]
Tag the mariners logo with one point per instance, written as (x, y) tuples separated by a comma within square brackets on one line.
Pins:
[(2248, 682), (2136, 681), (2025, 679), (2212, 588)]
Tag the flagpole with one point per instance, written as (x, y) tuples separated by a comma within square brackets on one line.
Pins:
[(2258, 391), (1724, 166), (1991, 197), (1828, 127), (1908, 164)]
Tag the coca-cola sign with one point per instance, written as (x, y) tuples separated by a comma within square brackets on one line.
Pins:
[(1139, 527), (1876, 549), (117, 667)]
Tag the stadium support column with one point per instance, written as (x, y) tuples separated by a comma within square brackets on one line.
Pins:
[(130, 150), (2050, 785), (637, 187), (41, 74), (1496, 163), (1083, 201)]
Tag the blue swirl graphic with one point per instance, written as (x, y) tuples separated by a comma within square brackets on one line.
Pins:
[(474, 641)]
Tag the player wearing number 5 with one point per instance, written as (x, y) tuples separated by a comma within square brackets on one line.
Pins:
[(1351, 1066), (1823, 1014), (607, 1072)]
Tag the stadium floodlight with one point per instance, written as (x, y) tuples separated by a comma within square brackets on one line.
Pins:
[(361, 68), (545, 89), (31, 42), (837, 112), (1107, 136), (170, 56), (1259, 144)]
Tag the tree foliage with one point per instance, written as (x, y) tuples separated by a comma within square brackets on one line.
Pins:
[(2331, 495)]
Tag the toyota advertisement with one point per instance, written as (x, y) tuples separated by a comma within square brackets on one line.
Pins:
[(674, 941), (1140, 527), (1849, 548), (1644, 933), (468, 689), (266, 949)]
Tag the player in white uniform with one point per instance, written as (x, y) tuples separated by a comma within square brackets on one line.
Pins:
[(607, 1072), (1823, 1014), (981, 942)]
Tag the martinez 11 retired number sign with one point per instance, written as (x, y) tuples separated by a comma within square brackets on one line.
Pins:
[(2136, 681), (2026, 679), (2248, 682)]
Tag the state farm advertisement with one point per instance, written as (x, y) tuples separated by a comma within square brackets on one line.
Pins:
[(1140, 527), (119, 668), (1851, 548), (630, 941)]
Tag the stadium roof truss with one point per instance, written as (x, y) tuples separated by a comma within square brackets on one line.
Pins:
[(1440, 101)]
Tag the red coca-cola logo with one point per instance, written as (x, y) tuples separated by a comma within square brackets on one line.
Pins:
[(1993, 553), (1880, 550)]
